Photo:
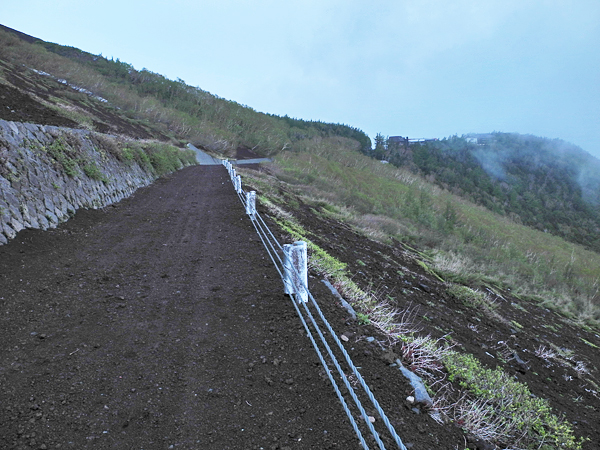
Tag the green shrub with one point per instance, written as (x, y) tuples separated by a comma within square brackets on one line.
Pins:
[(165, 158), (128, 154), (65, 155), (470, 297), (505, 409), (94, 172)]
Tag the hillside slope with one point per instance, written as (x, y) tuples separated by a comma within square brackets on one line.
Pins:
[(466, 298), (547, 184), (173, 107), (420, 313)]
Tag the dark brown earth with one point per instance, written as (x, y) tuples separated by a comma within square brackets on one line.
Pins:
[(161, 322), (393, 273)]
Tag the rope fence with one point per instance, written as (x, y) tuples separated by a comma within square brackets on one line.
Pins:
[(290, 261)]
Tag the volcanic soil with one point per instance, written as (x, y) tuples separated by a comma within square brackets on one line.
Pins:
[(512, 338), (159, 323)]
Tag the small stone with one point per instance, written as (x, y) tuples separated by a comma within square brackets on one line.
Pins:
[(410, 399), (344, 338), (424, 287), (371, 419), (370, 339)]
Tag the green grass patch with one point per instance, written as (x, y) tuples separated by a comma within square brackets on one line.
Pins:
[(507, 406), (471, 298), (591, 344), (94, 172), (64, 155), (319, 258)]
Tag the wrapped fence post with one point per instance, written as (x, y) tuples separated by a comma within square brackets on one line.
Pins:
[(238, 184), (251, 204), (295, 266), (232, 174)]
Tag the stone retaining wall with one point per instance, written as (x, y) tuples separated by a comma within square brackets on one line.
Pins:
[(36, 191)]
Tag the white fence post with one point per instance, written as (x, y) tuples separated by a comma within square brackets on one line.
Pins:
[(238, 184), (251, 204), (295, 265)]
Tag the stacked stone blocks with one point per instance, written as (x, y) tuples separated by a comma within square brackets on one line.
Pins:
[(37, 192)]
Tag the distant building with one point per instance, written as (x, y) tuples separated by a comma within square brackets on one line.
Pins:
[(405, 141), (481, 139), (399, 140)]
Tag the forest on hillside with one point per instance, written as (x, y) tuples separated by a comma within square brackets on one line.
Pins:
[(547, 184), (184, 111)]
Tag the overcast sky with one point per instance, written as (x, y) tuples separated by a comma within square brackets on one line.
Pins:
[(417, 68)]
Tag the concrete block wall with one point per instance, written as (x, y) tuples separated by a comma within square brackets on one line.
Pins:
[(35, 191)]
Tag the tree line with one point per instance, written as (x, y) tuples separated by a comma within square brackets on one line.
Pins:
[(547, 184)]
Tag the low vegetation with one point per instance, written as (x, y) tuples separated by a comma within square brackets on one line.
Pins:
[(178, 110), (493, 406), (160, 158), (467, 244)]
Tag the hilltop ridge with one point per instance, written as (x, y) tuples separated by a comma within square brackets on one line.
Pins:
[(170, 107)]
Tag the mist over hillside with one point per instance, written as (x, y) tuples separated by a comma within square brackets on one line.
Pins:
[(548, 184), (507, 150)]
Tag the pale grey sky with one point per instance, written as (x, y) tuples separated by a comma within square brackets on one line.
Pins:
[(418, 68)]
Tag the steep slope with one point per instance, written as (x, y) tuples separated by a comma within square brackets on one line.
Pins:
[(424, 307), (173, 107)]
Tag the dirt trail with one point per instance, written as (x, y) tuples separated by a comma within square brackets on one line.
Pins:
[(157, 323)]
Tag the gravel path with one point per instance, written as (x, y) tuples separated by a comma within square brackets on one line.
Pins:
[(158, 323)]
